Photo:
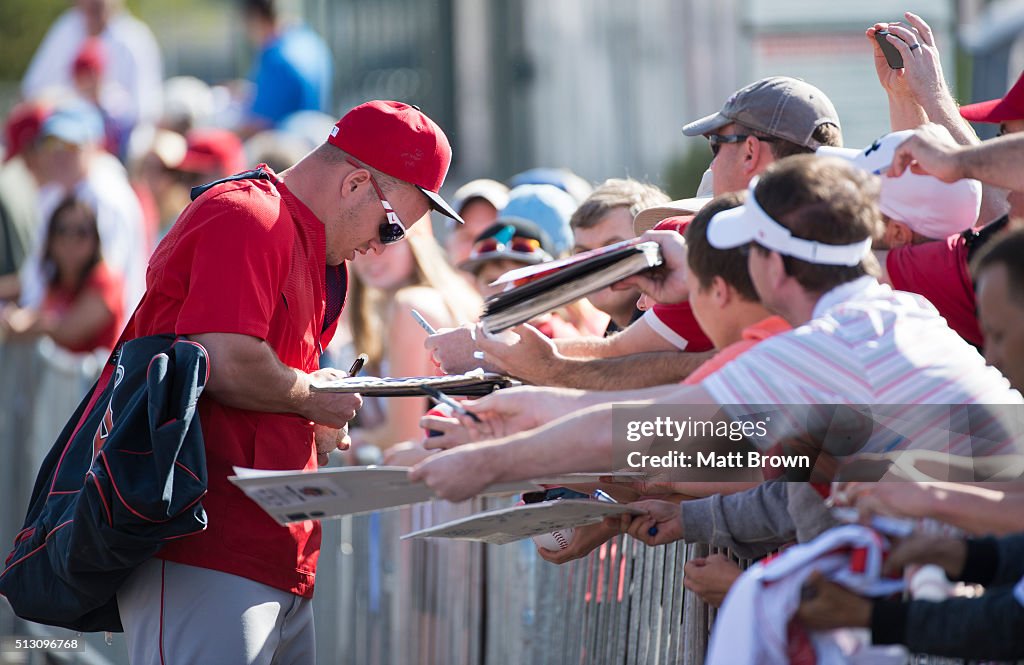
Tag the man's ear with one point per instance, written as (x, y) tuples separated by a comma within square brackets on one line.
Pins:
[(721, 292), (899, 234), (351, 183), (777, 275), (753, 155)]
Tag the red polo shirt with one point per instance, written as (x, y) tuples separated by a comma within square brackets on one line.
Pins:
[(938, 271), (246, 257)]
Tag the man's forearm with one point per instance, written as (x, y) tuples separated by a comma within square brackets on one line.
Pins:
[(997, 162), (580, 441), (641, 370), (583, 347), (905, 113), (942, 109), (584, 439), (751, 523), (245, 373), (976, 509)]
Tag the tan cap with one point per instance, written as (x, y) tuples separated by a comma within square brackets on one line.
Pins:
[(779, 106), (646, 220)]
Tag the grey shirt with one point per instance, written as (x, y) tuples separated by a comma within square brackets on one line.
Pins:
[(758, 521)]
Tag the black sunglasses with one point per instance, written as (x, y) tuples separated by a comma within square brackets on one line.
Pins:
[(80, 232), (716, 141), (392, 230)]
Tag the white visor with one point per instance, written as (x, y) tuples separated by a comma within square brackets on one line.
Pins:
[(749, 223)]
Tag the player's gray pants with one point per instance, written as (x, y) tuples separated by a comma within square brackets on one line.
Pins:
[(182, 615)]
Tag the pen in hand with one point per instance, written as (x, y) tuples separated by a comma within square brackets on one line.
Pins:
[(358, 364), (423, 322), (441, 398)]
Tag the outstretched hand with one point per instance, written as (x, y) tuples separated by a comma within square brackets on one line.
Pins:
[(526, 354), (950, 554), (667, 283), (584, 541), (662, 523), (458, 474), (932, 150), (825, 605)]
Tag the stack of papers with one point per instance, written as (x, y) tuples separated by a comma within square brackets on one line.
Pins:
[(538, 289), (507, 525), (296, 496)]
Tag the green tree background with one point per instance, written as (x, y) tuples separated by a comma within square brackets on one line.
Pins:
[(22, 26)]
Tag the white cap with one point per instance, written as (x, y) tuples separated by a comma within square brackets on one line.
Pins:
[(750, 223), (489, 190), (876, 158), (930, 207)]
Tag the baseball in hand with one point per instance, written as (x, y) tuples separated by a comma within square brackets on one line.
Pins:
[(556, 540)]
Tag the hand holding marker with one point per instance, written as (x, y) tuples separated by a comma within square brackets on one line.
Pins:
[(357, 366), (441, 398)]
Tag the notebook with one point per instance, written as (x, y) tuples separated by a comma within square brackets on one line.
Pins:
[(539, 289), (472, 384)]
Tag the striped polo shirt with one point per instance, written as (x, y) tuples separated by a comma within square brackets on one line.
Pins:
[(868, 344)]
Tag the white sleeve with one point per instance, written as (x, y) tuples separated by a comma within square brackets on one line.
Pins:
[(51, 63), (147, 83), (665, 331)]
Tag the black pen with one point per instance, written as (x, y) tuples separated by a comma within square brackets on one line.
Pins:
[(441, 398), (358, 364)]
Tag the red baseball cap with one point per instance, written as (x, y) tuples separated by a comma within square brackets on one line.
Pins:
[(23, 127), (677, 224), (214, 152), (91, 58), (401, 141), (1010, 107)]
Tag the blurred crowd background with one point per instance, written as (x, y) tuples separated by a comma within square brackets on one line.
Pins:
[(517, 84), (114, 109)]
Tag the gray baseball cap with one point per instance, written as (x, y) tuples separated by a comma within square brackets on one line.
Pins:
[(779, 106)]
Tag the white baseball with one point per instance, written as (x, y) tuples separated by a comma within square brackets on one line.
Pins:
[(556, 540), (930, 583)]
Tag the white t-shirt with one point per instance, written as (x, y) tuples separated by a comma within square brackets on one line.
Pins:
[(134, 78)]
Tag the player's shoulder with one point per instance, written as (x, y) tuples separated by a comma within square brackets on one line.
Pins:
[(242, 204)]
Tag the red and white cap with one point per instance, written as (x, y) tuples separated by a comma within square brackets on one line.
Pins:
[(929, 206), (750, 223), (399, 140)]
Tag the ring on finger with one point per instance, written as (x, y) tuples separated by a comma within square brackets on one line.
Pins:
[(914, 47)]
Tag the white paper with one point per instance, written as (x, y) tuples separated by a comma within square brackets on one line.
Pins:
[(590, 478), (296, 496), (507, 525), (377, 385)]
